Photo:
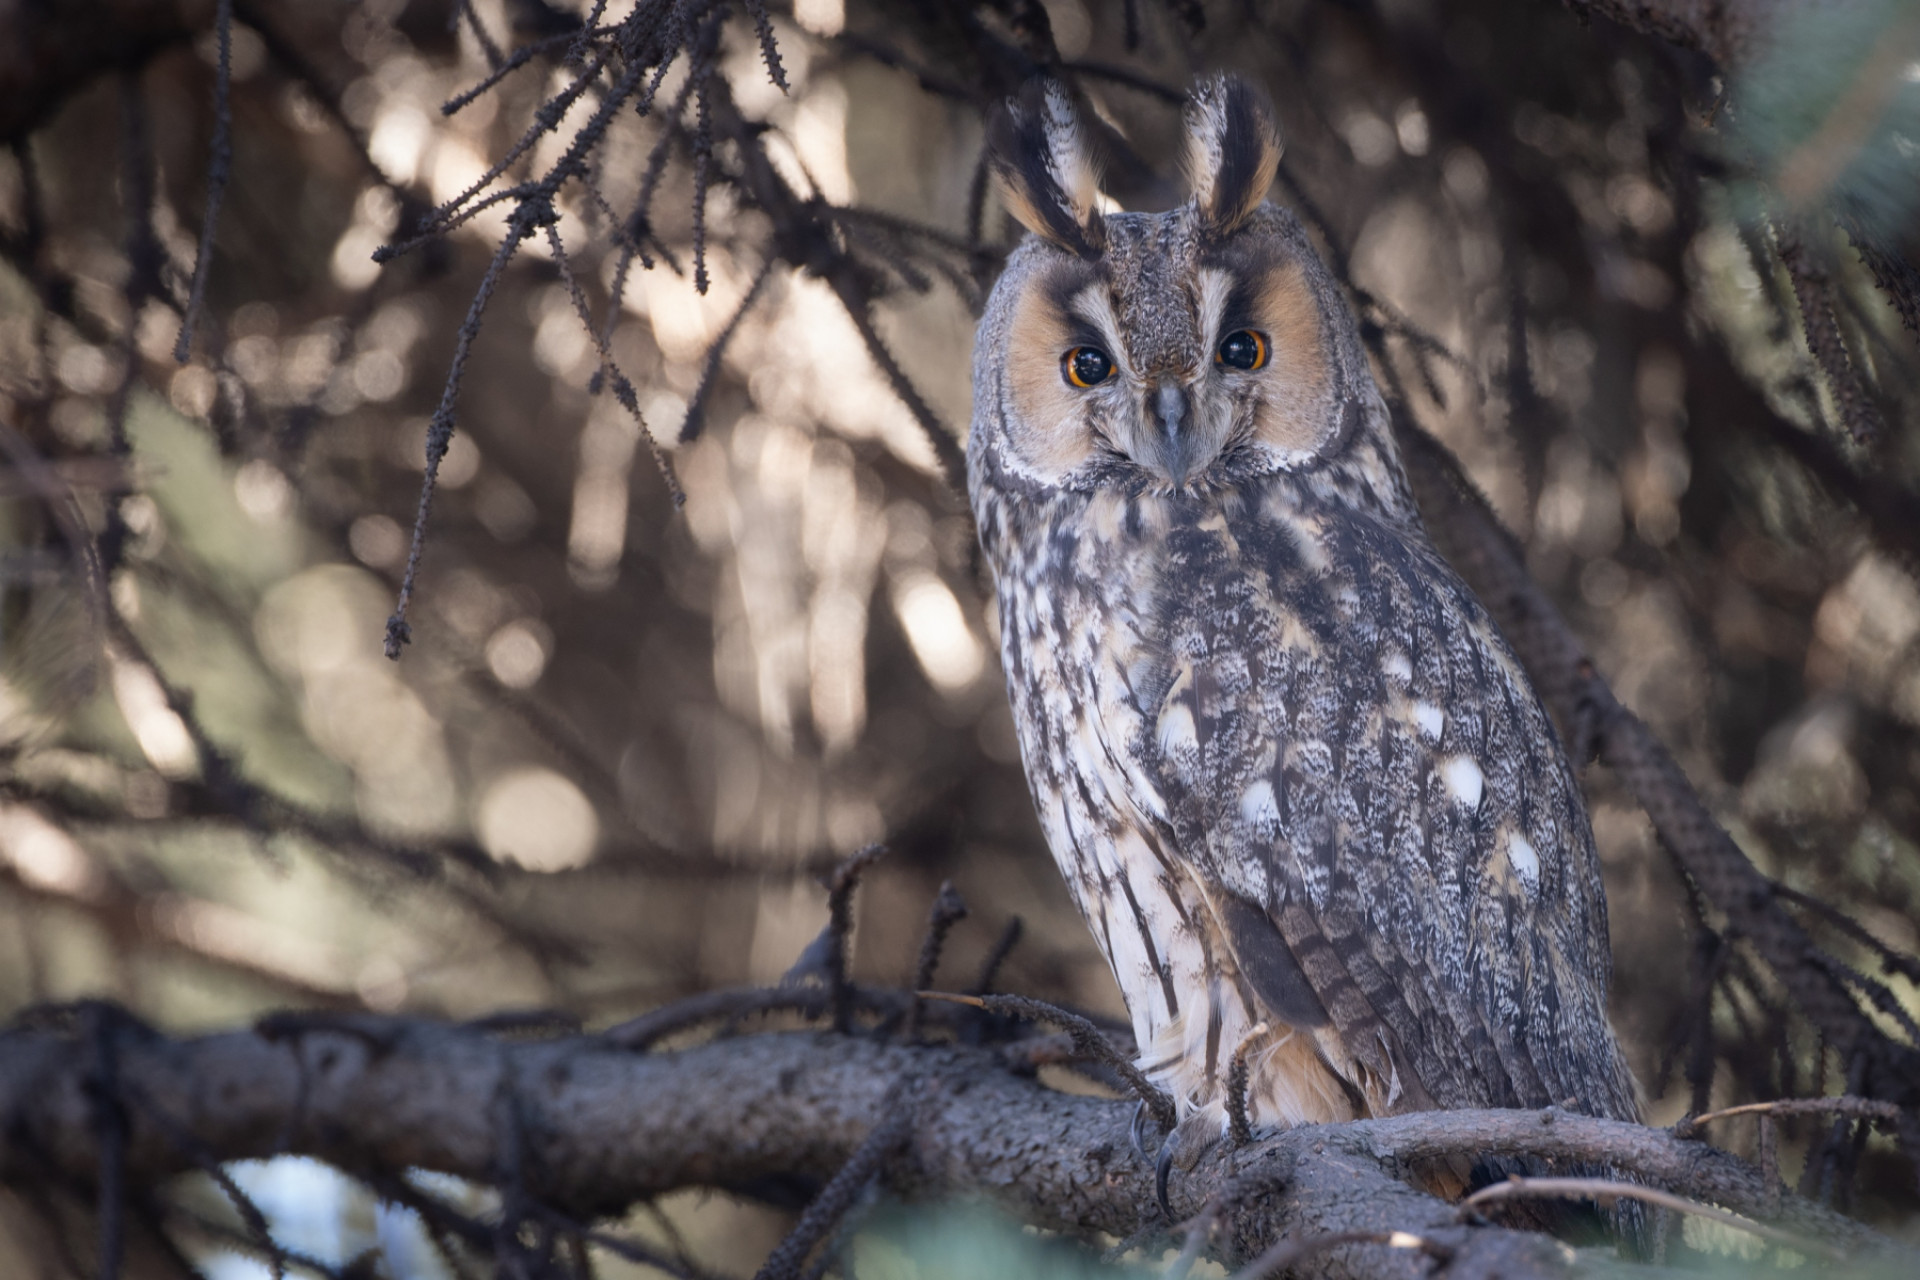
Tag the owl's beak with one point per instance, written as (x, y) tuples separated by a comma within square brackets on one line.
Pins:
[(1178, 445)]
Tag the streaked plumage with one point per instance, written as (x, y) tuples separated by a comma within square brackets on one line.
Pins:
[(1299, 786)]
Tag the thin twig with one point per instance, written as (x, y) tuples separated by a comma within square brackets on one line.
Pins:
[(440, 429), (219, 169), (1087, 1038), (1002, 948), (846, 1186), (464, 10), (610, 372), (691, 425), (1605, 1189), (948, 909), (110, 1123), (1892, 960), (514, 61), (1813, 290), (642, 1033), (840, 890), (1842, 1105), (946, 446)]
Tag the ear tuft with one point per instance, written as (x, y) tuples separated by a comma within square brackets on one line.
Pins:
[(1047, 176), (1233, 151)]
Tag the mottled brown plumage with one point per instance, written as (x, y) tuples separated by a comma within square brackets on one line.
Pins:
[(1300, 788)]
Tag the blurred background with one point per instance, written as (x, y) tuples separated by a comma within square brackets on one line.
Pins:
[(627, 736)]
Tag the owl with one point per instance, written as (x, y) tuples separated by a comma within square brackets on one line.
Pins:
[(1306, 799)]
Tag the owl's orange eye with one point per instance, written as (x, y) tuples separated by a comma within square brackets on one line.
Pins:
[(1245, 349), (1087, 366)]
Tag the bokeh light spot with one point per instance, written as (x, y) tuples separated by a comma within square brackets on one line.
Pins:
[(538, 819)]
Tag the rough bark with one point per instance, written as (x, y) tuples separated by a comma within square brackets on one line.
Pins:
[(590, 1128)]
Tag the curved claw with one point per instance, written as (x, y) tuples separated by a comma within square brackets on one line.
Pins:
[(1162, 1170), (1135, 1129)]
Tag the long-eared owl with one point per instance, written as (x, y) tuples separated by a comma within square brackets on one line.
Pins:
[(1296, 781)]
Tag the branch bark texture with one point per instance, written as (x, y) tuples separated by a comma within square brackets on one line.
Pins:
[(596, 1128)]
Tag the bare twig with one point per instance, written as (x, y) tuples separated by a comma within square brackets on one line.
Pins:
[(840, 890), (219, 168), (839, 1195), (643, 1032), (696, 417), (1002, 948), (1604, 1189), (610, 370), (1087, 1038), (946, 446), (525, 220), (110, 1122), (948, 910), (1843, 1106)]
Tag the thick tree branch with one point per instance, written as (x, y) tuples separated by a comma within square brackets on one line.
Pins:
[(598, 1128)]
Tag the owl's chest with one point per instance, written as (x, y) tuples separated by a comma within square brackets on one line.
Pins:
[(1077, 624), (1114, 620), (1105, 618)]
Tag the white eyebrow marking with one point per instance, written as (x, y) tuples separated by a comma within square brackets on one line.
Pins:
[(1092, 306), (1216, 287)]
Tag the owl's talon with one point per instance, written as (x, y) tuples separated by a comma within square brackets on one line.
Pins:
[(1162, 1170), (1135, 1130), (1183, 1148)]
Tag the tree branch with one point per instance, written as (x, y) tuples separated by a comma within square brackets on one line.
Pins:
[(597, 1128)]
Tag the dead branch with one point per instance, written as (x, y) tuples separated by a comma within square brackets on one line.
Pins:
[(597, 1127), (1842, 1106), (1087, 1039), (1607, 1189)]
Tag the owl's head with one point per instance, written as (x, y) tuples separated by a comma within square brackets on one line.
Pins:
[(1175, 351)]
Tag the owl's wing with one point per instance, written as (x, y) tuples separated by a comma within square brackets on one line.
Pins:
[(1340, 747)]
